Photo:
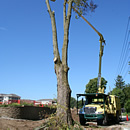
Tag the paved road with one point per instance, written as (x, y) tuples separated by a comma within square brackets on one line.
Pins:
[(124, 118), (124, 124)]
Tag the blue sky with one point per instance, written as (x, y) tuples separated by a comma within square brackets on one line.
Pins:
[(26, 50)]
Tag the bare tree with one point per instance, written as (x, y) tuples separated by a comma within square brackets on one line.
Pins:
[(61, 64)]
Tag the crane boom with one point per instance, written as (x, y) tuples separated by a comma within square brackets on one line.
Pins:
[(101, 40)]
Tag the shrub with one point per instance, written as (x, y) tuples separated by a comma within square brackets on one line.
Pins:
[(3, 105), (127, 106), (27, 104), (14, 104)]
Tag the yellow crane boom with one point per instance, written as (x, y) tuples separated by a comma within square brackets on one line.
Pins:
[(101, 40)]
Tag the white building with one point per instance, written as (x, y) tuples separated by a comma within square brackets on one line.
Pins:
[(47, 101), (9, 98)]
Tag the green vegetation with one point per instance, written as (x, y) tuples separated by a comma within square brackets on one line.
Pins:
[(80, 104), (27, 104), (122, 90), (127, 106), (91, 87), (73, 102), (120, 83), (124, 114), (3, 105), (16, 104), (118, 92)]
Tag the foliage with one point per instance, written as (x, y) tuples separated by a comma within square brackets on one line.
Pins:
[(73, 102), (91, 87), (120, 83), (80, 104), (27, 104), (126, 91), (121, 90), (127, 106), (14, 104), (3, 105), (83, 6), (118, 92), (124, 114)]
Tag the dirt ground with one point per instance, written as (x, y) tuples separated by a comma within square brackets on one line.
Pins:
[(18, 124)]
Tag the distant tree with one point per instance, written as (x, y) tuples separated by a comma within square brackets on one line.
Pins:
[(120, 83), (73, 102), (126, 91), (127, 106), (118, 92), (80, 104), (91, 87)]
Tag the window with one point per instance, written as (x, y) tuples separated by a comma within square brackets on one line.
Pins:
[(1, 99)]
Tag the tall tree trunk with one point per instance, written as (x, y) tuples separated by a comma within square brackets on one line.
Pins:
[(61, 66), (63, 95)]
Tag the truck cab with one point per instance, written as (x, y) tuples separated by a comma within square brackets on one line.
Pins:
[(100, 107)]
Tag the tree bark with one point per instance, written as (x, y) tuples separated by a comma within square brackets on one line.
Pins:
[(61, 66), (63, 95)]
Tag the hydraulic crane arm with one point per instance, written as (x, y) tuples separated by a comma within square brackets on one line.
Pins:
[(101, 40), (100, 35)]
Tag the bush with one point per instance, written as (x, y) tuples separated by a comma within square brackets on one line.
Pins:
[(14, 104), (127, 106), (27, 104), (3, 105), (124, 114)]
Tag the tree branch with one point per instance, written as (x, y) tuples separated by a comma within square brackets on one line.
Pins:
[(54, 31), (66, 33), (64, 12)]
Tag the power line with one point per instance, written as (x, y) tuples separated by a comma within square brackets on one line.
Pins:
[(127, 72), (123, 53), (127, 63), (126, 52), (123, 48)]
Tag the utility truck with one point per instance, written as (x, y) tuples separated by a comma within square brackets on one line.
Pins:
[(99, 106)]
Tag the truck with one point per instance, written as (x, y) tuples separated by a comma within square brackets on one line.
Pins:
[(99, 107)]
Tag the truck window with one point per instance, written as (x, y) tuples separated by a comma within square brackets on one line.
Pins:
[(95, 101)]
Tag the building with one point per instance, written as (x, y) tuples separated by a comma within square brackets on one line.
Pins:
[(28, 101), (9, 98), (47, 101)]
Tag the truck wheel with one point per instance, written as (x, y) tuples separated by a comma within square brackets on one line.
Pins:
[(117, 118), (99, 122), (105, 120), (82, 120)]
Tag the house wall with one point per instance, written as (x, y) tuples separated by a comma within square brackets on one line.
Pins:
[(26, 112), (6, 99), (46, 102)]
